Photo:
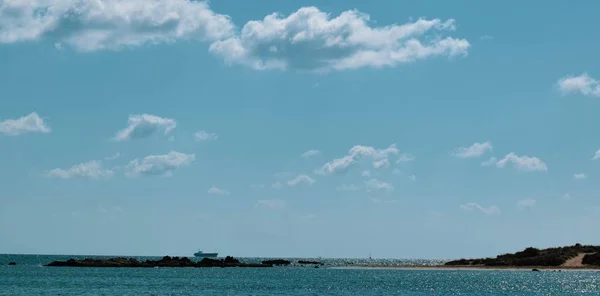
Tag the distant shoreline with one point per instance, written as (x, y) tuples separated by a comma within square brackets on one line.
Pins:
[(471, 267)]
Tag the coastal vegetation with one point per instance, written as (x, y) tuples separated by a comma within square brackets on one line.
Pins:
[(591, 259), (557, 256)]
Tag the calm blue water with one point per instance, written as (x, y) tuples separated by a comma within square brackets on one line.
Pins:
[(29, 278)]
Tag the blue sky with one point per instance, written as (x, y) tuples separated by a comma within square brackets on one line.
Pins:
[(298, 128)]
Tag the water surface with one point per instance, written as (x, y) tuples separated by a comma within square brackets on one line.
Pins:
[(29, 278)]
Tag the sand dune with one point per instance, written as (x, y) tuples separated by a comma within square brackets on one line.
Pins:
[(575, 261)]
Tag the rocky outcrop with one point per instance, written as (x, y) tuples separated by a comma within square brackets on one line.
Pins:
[(12, 263), (277, 262), (166, 261)]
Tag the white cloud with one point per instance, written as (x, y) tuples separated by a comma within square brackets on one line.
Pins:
[(310, 153), (582, 84), (374, 184), (91, 169), (110, 24), (355, 154), (523, 163), (580, 176), (405, 157), (384, 163), (492, 210), (274, 204), (31, 123), (596, 155), (310, 39), (365, 173), (348, 187), (336, 166), (205, 136), (301, 179), (525, 203), (306, 39), (486, 37), (475, 150), (567, 196), (217, 191), (490, 162), (277, 185), (142, 126), (412, 178), (163, 164)]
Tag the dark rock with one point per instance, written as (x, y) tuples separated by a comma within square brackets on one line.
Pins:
[(209, 261), (12, 263), (535, 269), (227, 262), (230, 260), (277, 262), (164, 262), (309, 262)]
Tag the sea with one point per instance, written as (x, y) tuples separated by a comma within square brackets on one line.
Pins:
[(335, 277)]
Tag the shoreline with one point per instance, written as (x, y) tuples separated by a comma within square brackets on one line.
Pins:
[(466, 267)]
